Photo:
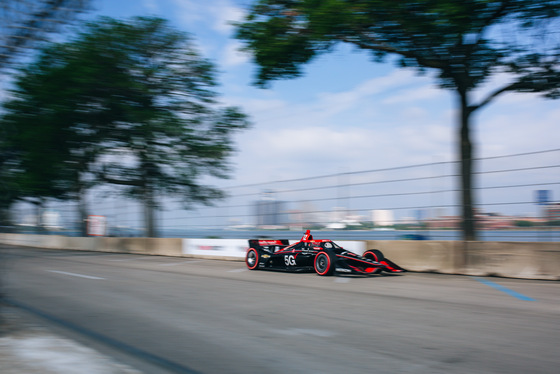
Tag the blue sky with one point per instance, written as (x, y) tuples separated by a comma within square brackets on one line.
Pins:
[(360, 115)]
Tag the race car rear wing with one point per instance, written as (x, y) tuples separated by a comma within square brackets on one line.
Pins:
[(269, 244)]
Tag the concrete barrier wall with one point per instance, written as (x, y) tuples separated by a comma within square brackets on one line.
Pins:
[(147, 246), (513, 259), (422, 255), (529, 260)]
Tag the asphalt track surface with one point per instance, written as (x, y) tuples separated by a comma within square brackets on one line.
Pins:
[(181, 315)]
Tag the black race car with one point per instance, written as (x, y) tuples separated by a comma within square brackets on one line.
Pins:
[(322, 256)]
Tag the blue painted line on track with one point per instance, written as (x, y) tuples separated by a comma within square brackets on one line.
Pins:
[(504, 289)]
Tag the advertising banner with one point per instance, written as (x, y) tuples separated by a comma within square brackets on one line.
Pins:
[(215, 247), (96, 225)]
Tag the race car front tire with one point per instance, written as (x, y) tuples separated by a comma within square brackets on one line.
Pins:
[(374, 254), (325, 263), (252, 259)]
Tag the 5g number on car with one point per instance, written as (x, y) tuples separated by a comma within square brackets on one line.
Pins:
[(290, 260)]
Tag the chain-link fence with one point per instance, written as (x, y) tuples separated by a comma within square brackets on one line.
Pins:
[(514, 199)]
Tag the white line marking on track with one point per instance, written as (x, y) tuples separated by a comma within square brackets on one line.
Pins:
[(304, 332), (181, 262), (130, 259), (74, 274), (237, 270), (341, 280)]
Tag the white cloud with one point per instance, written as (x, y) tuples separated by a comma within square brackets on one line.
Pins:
[(190, 11), (519, 129), (370, 87), (275, 153), (151, 5), (217, 14), (414, 95), (364, 94), (300, 152), (233, 56), (224, 14)]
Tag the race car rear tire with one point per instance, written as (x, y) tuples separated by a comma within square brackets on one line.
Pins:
[(325, 263), (252, 259), (374, 254)]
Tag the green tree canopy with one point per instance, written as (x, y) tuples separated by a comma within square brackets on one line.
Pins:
[(130, 104), (465, 42)]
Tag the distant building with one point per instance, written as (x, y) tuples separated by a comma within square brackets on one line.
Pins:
[(552, 212), (445, 222), (383, 218), (269, 211), (494, 221), (338, 214)]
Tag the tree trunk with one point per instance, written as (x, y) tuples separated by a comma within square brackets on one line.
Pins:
[(6, 224), (466, 169), (82, 212), (38, 216), (149, 210)]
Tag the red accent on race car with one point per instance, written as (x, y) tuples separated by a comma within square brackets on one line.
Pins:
[(369, 270), (307, 236), (389, 267), (289, 249), (355, 259), (371, 253), (270, 242)]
